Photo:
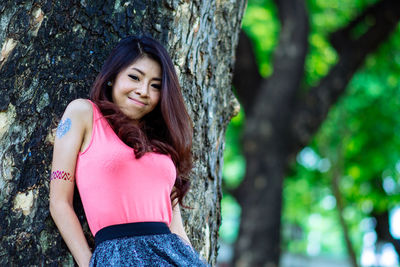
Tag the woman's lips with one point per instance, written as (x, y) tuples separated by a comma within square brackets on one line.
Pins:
[(137, 102)]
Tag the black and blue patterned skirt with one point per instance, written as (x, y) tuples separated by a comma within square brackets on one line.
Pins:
[(142, 244)]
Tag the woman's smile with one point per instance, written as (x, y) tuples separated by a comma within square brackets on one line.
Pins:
[(137, 102)]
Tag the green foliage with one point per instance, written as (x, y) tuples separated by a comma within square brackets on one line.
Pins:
[(261, 24), (325, 18), (232, 174), (328, 16), (230, 219), (360, 138), (320, 59), (234, 162)]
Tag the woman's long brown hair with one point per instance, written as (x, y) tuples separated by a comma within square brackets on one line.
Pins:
[(168, 128)]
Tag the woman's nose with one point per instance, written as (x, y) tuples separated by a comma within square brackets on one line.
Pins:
[(142, 90)]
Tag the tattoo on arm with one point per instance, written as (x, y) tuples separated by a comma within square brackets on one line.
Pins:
[(62, 175), (63, 127)]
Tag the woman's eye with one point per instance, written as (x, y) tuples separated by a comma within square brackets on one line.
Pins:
[(157, 86), (133, 77)]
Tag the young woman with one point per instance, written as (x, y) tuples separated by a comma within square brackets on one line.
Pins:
[(129, 151)]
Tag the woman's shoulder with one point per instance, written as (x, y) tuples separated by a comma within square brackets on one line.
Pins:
[(80, 108)]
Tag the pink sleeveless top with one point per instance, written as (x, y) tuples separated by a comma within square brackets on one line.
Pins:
[(115, 187)]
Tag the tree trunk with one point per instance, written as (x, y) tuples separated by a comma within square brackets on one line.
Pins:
[(282, 117), (382, 230), (265, 143), (51, 53)]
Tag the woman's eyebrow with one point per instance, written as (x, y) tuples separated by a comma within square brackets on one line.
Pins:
[(141, 72)]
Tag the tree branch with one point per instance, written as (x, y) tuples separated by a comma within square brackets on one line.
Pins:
[(313, 108), (336, 176)]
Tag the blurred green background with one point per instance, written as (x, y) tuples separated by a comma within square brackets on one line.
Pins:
[(351, 169)]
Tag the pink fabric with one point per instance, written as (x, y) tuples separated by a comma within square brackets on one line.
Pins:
[(115, 187)]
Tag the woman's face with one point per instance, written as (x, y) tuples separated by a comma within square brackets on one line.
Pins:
[(136, 89)]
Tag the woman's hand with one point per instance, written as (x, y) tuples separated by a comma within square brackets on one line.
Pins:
[(176, 226)]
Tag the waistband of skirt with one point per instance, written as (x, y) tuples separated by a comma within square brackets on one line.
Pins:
[(129, 230)]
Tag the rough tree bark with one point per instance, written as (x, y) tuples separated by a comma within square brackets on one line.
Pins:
[(281, 117), (51, 52)]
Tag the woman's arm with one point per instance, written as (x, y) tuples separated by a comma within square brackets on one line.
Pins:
[(68, 141), (176, 226)]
